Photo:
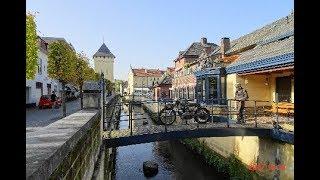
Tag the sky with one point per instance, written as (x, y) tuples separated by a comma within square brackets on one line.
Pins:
[(150, 33)]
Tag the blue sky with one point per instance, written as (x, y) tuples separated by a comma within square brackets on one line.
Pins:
[(150, 33)]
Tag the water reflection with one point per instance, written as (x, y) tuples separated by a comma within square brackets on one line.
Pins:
[(174, 160)]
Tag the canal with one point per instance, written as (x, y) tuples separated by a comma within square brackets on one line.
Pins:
[(174, 159)]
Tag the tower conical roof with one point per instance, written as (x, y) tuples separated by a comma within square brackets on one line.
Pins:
[(104, 51)]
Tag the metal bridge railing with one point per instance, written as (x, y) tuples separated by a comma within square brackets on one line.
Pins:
[(255, 113)]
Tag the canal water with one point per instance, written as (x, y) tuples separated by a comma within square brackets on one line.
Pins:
[(174, 160)]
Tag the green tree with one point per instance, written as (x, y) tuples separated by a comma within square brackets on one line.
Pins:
[(117, 85), (91, 74), (82, 73), (109, 86), (61, 65), (31, 46), (97, 76)]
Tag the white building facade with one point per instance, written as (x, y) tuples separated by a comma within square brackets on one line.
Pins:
[(41, 84)]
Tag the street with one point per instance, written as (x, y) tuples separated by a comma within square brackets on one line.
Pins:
[(42, 117)]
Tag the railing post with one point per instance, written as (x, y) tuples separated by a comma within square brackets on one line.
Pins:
[(130, 119), (129, 111), (103, 100), (255, 113), (197, 122), (229, 112), (212, 112), (165, 124), (158, 115), (277, 117)]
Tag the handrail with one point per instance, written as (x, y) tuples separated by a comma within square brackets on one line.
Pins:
[(256, 115)]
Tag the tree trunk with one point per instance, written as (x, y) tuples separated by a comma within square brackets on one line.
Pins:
[(64, 109), (81, 97)]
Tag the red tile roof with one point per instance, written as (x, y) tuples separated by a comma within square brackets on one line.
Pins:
[(170, 69), (147, 72)]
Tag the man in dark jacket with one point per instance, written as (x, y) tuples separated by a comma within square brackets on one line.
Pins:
[(241, 96), (53, 98)]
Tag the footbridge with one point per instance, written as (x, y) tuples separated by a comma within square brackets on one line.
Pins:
[(135, 121)]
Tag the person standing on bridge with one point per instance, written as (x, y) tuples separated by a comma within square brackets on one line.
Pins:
[(241, 96)]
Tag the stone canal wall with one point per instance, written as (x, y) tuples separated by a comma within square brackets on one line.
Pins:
[(66, 149), (79, 163)]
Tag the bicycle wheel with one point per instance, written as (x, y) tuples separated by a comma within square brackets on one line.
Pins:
[(167, 116), (202, 115)]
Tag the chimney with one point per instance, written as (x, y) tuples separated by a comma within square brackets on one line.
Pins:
[(225, 45), (203, 41)]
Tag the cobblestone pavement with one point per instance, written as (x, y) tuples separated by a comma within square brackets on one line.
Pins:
[(42, 117)]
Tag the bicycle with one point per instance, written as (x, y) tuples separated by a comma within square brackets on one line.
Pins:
[(185, 110)]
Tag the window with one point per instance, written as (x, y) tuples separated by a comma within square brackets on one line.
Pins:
[(213, 88), (199, 90), (49, 88), (38, 85), (40, 66), (185, 93), (283, 88), (191, 93), (39, 88)]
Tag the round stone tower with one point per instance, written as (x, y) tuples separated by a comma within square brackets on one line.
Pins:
[(103, 62)]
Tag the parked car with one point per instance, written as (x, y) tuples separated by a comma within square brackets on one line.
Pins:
[(45, 102)]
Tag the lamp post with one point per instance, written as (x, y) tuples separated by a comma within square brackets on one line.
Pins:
[(142, 86)]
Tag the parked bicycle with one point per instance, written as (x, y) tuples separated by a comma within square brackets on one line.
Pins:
[(186, 111)]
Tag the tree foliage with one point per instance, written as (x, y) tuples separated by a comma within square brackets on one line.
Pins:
[(31, 46), (109, 85), (61, 62), (97, 76), (82, 73), (91, 74), (61, 66), (82, 70), (117, 85)]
